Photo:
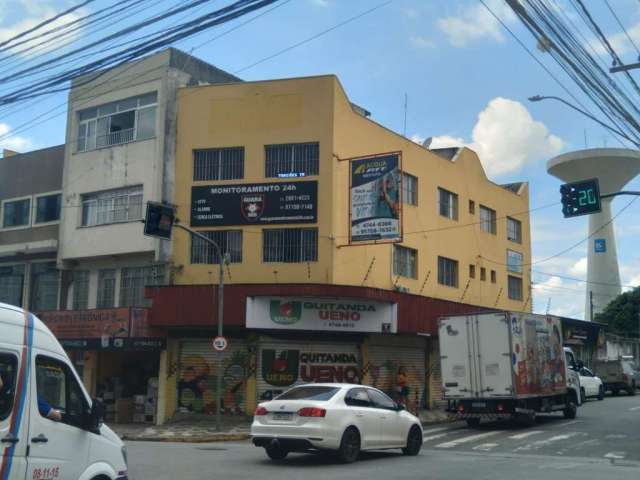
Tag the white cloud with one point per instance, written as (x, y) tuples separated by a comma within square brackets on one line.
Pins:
[(579, 269), (16, 143), (422, 42), (475, 22), (33, 13), (619, 42), (506, 137)]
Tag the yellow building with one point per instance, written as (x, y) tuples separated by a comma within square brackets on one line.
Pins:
[(464, 238)]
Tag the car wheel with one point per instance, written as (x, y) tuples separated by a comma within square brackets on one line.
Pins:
[(276, 452), (583, 395), (473, 422), (571, 410), (601, 393), (349, 446), (414, 441)]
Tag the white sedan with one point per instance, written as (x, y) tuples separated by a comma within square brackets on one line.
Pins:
[(590, 384), (344, 418)]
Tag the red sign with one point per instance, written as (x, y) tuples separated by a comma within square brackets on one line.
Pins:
[(220, 344)]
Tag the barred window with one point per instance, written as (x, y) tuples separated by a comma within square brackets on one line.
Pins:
[(45, 284), (292, 160), (405, 261), (487, 220), (230, 241), (290, 245), (113, 206), (448, 204), (515, 288), (514, 230), (218, 164), (447, 272), (80, 290), (106, 288), (132, 283), (409, 189)]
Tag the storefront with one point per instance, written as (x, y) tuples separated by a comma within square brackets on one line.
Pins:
[(117, 354), (584, 338)]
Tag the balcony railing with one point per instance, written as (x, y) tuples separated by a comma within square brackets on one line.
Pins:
[(115, 138)]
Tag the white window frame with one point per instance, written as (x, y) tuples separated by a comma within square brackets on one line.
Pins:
[(516, 240), (397, 249), (454, 262), (34, 207), (521, 288), (518, 268), (493, 224), (406, 198), (17, 227), (453, 210), (127, 192)]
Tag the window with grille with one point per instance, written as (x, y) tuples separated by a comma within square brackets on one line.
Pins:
[(45, 283), (133, 280), (448, 204), (80, 290), (514, 230), (230, 241), (405, 261), (106, 288), (292, 160), (515, 288), (447, 272), (218, 164), (12, 284), (514, 261), (409, 189), (472, 271), (113, 206), (290, 245), (487, 220)]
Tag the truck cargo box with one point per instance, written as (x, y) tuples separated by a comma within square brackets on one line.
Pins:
[(506, 354)]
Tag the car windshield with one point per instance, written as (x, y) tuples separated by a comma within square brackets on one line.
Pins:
[(309, 393)]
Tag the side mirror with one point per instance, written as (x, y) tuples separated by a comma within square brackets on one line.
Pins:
[(95, 416)]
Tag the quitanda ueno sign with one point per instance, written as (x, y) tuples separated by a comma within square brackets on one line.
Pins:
[(325, 314)]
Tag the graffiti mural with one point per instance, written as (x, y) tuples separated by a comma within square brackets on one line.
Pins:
[(198, 380), (400, 380)]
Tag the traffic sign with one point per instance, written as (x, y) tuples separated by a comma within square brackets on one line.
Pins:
[(220, 344), (580, 198)]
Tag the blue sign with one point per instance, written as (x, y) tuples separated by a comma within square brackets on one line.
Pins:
[(600, 245)]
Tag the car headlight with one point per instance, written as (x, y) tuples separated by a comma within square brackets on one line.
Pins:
[(124, 456)]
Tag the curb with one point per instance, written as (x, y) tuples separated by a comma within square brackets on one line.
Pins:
[(232, 437)]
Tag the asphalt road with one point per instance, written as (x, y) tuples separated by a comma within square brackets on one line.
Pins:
[(603, 442)]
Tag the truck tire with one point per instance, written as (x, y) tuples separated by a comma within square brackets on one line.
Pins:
[(571, 410), (526, 420), (473, 422)]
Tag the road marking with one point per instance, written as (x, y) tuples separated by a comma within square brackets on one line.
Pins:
[(434, 430), (471, 438), (615, 436), (543, 443), (485, 447), (520, 436), (616, 455), (633, 409), (433, 437), (572, 423)]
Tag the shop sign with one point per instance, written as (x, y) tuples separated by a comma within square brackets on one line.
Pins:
[(375, 206), (324, 314), (115, 343), (254, 204)]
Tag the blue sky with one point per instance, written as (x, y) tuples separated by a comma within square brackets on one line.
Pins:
[(465, 78)]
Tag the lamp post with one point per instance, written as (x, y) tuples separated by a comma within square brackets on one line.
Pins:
[(538, 98)]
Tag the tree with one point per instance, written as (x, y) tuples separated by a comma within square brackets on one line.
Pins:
[(622, 313)]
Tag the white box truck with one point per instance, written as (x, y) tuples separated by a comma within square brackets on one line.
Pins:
[(49, 427), (506, 365)]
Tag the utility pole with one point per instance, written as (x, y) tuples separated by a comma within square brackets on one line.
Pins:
[(591, 305)]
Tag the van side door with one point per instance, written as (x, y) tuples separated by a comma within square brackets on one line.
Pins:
[(14, 414), (58, 449)]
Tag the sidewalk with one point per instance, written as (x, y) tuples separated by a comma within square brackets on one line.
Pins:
[(203, 429)]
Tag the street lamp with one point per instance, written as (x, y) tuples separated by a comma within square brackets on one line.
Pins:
[(538, 98)]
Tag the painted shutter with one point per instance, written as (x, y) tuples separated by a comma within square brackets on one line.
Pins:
[(283, 364), (198, 368), (435, 384)]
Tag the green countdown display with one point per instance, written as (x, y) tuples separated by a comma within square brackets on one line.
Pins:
[(580, 198)]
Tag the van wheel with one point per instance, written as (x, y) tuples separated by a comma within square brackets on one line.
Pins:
[(601, 393), (571, 410), (414, 441), (473, 422), (349, 446), (275, 452)]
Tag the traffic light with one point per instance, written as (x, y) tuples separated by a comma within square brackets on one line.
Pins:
[(159, 220), (580, 198)]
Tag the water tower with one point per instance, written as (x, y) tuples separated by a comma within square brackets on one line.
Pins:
[(614, 168)]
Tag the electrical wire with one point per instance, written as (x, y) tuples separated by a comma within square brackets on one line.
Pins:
[(622, 27), (581, 280)]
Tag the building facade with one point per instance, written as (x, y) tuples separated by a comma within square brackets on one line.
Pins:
[(344, 243)]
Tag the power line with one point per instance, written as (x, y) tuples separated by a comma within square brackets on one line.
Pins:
[(622, 27), (581, 280)]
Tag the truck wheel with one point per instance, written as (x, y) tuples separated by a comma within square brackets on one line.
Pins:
[(571, 410), (601, 393), (473, 422), (526, 420), (276, 452)]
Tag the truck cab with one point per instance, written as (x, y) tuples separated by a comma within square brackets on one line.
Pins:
[(49, 426)]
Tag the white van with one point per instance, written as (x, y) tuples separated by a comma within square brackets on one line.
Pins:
[(37, 374)]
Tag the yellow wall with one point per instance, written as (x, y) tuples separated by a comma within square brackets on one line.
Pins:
[(255, 114)]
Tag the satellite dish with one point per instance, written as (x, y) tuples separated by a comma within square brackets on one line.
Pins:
[(427, 142)]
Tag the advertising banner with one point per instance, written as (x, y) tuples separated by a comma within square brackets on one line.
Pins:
[(375, 198), (254, 203), (324, 314)]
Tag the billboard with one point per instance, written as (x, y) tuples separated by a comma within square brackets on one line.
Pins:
[(376, 204), (254, 203), (324, 314)]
